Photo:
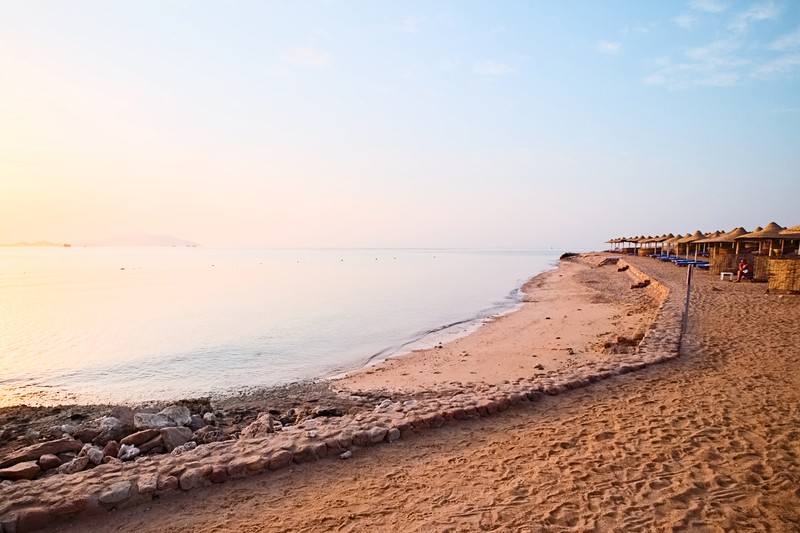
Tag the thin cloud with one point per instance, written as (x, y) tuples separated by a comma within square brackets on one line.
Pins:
[(307, 57), (492, 69), (756, 13), (778, 67), (608, 47), (684, 21), (412, 24), (734, 58), (787, 42), (708, 6)]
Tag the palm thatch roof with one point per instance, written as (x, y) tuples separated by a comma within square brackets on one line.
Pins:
[(771, 231), (696, 236), (791, 233)]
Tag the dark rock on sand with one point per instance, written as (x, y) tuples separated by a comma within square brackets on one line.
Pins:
[(174, 437), (140, 437), (35, 451), (49, 461), (24, 470)]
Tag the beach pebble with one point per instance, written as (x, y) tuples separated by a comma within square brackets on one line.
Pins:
[(49, 461), (127, 452), (177, 413), (74, 466), (152, 421), (111, 449), (260, 428), (346, 455), (174, 437), (183, 448)]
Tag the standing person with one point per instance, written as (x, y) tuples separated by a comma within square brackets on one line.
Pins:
[(744, 271)]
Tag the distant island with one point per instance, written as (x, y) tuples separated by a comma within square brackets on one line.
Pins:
[(123, 240)]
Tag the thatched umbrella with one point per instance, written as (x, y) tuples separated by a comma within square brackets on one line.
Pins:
[(770, 233), (790, 234), (696, 236)]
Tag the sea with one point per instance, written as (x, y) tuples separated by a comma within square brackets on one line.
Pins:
[(131, 325)]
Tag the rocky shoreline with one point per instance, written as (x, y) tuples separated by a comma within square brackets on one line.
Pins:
[(132, 456)]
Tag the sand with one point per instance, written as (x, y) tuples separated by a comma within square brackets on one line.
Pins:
[(709, 441)]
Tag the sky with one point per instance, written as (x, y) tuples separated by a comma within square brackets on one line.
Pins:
[(529, 124)]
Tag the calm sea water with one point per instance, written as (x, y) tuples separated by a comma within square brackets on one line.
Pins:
[(134, 324)]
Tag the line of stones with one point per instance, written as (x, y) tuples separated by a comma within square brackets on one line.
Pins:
[(34, 505)]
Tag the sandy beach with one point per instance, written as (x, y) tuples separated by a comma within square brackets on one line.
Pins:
[(707, 441)]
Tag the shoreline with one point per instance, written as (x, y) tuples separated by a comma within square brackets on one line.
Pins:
[(380, 414), (40, 397)]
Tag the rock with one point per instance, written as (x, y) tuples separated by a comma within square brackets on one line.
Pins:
[(24, 470), (152, 421), (393, 434), (152, 444), (177, 413), (168, 483), (174, 437), (128, 452), (111, 449), (49, 461), (35, 451), (209, 434), (70, 506), (327, 411), (33, 518), (8, 523), (262, 426), (305, 453), (219, 474), (183, 448), (197, 423), (74, 466), (346, 455), (116, 493), (94, 454), (280, 459), (140, 437), (147, 483), (67, 456), (86, 434), (189, 479), (111, 428), (124, 414), (376, 434), (210, 419)]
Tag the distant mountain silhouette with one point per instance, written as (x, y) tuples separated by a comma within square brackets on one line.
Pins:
[(144, 240)]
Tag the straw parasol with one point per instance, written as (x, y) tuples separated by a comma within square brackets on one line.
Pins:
[(769, 233), (689, 239), (791, 233)]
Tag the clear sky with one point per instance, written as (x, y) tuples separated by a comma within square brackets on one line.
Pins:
[(386, 123)]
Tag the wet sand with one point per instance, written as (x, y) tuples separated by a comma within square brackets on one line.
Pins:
[(709, 441)]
